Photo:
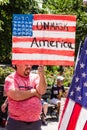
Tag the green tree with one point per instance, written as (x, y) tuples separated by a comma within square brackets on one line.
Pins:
[(2, 2)]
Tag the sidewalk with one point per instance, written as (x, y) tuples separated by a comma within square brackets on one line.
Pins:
[(52, 125)]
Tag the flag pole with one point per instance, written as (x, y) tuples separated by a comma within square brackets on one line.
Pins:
[(78, 54)]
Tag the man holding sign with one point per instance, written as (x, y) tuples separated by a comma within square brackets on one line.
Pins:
[(24, 91), (36, 39)]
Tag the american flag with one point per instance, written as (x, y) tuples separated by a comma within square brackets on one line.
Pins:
[(74, 115), (46, 39)]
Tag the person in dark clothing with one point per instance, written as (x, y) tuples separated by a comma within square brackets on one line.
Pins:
[(57, 92)]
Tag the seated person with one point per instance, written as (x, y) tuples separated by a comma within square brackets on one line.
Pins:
[(44, 111), (57, 92)]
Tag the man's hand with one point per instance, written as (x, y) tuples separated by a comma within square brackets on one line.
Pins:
[(36, 93), (42, 83), (3, 107), (41, 70)]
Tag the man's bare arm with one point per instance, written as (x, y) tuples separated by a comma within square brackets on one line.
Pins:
[(42, 83), (19, 95)]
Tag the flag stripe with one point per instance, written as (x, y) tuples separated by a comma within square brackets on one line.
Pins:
[(41, 57), (64, 109), (82, 119), (44, 51), (51, 17), (45, 62), (29, 39), (74, 117), (56, 34), (85, 127), (67, 115), (45, 45)]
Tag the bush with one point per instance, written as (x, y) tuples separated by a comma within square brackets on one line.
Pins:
[(4, 72), (53, 71)]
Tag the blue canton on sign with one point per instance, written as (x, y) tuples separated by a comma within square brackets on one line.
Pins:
[(22, 25), (78, 88)]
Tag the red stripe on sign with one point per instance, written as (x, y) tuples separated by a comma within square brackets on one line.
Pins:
[(28, 39), (43, 51), (74, 117), (21, 39), (54, 17), (44, 62), (55, 28)]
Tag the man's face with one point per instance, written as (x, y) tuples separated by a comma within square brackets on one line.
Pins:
[(24, 70)]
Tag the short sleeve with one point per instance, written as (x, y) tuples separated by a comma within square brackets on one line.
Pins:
[(9, 84)]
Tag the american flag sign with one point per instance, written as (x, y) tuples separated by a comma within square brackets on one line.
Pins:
[(74, 115), (43, 39)]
